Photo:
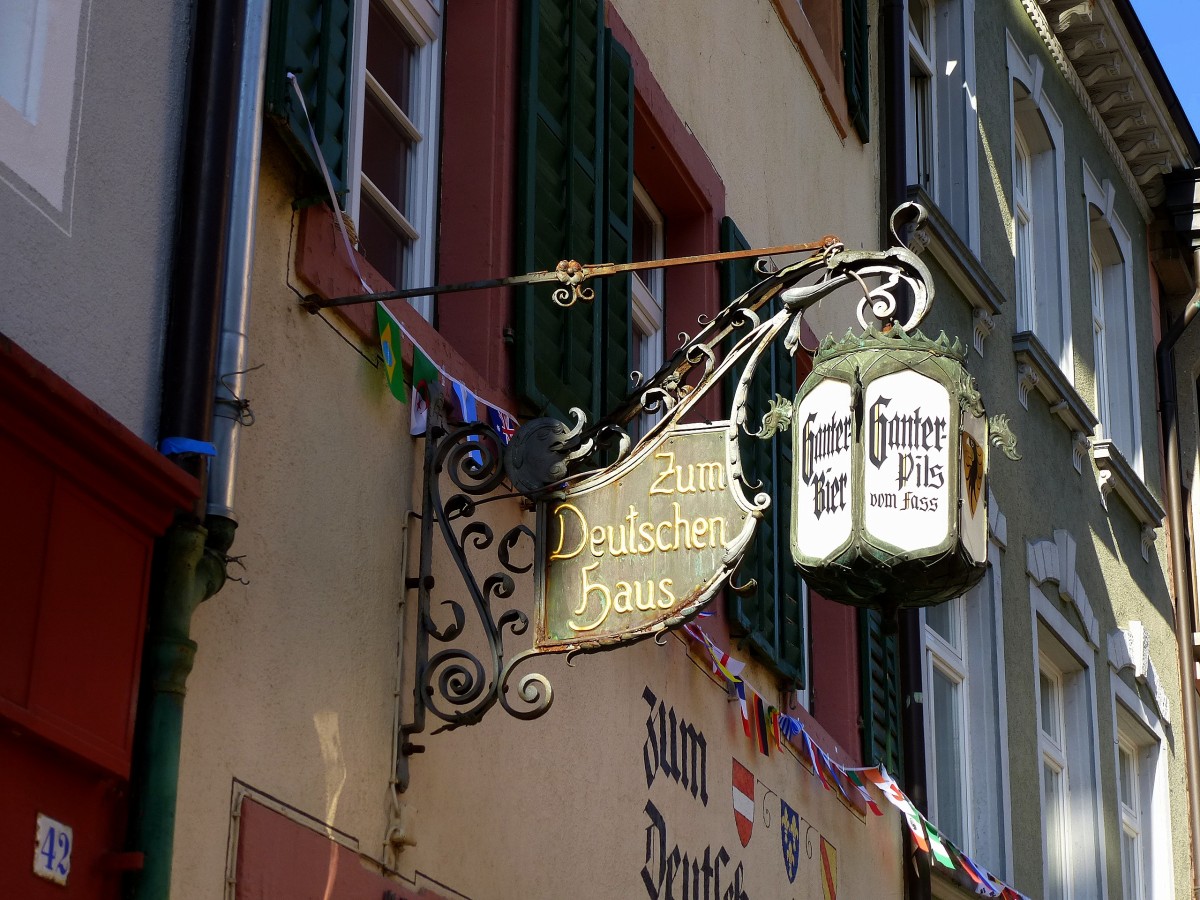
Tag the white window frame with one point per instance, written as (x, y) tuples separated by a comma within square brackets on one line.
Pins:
[(1052, 754), (1137, 723), (922, 140), (39, 142), (942, 656), (983, 712), (804, 694), (1099, 338), (1023, 246), (422, 20), (1116, 284), (945, 139), (1129, 806), (1049, 274), (1058, 647), (648, 303)]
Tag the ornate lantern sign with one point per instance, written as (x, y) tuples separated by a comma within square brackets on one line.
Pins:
[(890, 445), (890, 439)]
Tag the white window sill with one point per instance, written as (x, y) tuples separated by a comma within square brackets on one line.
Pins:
[(1036, 370), (959, 261), (1116, 474)]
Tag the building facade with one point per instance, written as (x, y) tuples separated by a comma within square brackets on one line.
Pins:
[(478, 141), (1055, 744), (91, 112), (360, 716)]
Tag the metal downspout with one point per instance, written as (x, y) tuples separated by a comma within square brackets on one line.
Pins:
[(1184, 601), (230, 409), (211, 259)]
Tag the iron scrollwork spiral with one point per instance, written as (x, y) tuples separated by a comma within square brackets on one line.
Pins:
[(456, 684)]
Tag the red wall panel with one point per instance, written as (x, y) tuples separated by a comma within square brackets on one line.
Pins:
[(34, 778)]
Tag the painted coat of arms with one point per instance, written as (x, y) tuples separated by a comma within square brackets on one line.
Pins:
[(789, 833), (743, 801)]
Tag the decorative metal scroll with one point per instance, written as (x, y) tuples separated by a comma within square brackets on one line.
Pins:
[(473, 672)]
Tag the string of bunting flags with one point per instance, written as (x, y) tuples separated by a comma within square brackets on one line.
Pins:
[(765, 724), (464, 403)]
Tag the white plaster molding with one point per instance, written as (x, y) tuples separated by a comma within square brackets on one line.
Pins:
[(1107, 481), (1130, 648), (1027, 379), (1091, 38), (984, 323), (1079, 449), (1084, 41), (1080, 12), (997, 523), (1054, 560), (1149, 536), (1119, 655), (1104, 68)]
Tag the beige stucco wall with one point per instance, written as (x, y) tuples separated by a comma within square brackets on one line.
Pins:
[(88, 197), (747, 94), (292, 688)]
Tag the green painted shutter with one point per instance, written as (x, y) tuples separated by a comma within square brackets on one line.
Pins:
[(855, 64), (313, 39), (879, 654), (770, 618), (618, 234), (574, 201)]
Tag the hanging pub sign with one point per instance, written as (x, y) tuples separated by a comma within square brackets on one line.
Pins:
[(890, 505), (890, 444), (639, 547)]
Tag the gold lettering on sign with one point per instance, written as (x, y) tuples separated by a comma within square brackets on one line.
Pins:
[(701, 477), (655, 527)]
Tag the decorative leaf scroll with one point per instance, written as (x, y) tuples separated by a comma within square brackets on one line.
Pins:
[(778, 417), (1003, 437)]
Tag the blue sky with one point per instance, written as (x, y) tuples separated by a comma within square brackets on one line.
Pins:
[(1173, 27)]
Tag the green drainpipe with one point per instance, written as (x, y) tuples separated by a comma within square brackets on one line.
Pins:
[(189, 568)]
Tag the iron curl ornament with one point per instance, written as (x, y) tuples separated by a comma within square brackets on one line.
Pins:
[(463, 667)]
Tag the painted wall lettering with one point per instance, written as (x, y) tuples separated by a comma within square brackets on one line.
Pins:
[(700, 875), (674, 749)]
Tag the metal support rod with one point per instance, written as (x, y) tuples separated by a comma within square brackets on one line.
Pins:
[(567, 272)]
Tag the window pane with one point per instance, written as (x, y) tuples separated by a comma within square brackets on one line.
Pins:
[(645, 238), (385, 153), (1053, 837), (1127, 777), (948, 754), (390, 56), (1131, 875), (382, 246), (1050, 706), (944, 619)]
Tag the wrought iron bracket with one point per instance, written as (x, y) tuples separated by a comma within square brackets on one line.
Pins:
[(462, 667)]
